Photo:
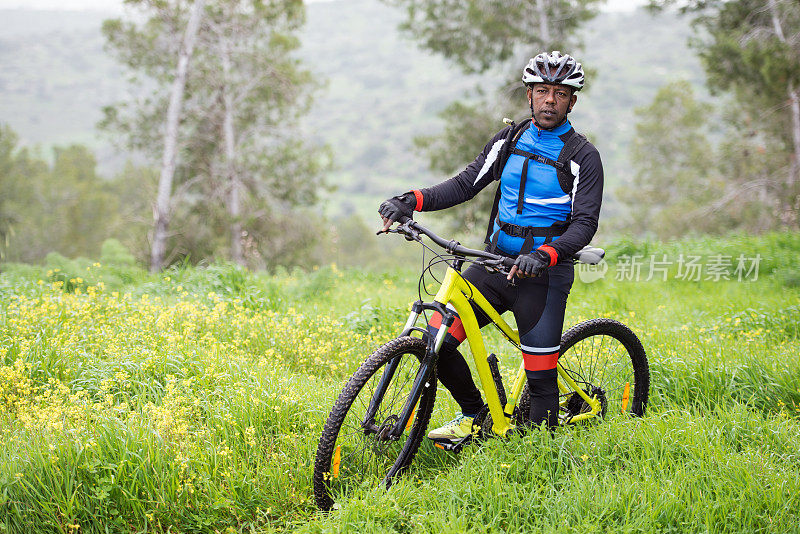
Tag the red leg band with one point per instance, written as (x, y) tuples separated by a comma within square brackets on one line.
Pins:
[(540, 362)]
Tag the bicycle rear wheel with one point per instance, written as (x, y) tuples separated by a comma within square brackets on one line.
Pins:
[(353, 452), (605, 358)]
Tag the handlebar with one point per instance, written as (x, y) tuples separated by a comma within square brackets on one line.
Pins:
[(411, 230)]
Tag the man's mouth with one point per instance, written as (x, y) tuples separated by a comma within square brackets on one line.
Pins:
[(548, 112)]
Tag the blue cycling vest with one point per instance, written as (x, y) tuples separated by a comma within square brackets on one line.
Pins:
[(544, 201)]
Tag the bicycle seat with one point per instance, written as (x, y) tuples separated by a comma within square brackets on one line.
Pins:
[(590, 255)]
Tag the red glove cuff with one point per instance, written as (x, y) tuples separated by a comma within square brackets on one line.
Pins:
[(418, 195), (550, 252)]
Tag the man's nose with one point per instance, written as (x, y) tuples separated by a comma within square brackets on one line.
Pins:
[(551, 96)]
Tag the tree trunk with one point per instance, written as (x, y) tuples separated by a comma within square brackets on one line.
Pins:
[(794, 105), (234, 208), (794, 102), (794, 170), (544, 24), (162, 209)]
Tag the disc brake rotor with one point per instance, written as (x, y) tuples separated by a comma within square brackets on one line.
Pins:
[(576, 405)]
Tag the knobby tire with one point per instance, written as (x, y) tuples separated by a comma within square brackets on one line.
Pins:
[(362, 458), (601, 353)]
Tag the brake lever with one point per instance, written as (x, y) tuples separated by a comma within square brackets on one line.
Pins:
[(497, 266), (410, 234)]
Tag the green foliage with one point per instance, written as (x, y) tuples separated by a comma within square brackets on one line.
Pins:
[(671, 155), (699, 168), (178, 404), (242, 168), (66, 273), (480, 34), (372, 101), (486, 36), (117, 269), (114, 253), (755, 51), (777, 252), (134, 186), (467, 129), (752, 48), (743, 53), (8, 144), (62, 207), (777, 325)]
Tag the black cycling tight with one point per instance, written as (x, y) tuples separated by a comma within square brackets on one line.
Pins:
[(538, 305)]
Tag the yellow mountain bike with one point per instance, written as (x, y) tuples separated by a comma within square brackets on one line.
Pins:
[(379, 419)]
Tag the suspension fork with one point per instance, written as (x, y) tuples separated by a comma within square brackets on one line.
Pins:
[(421, 381), (380, 391)]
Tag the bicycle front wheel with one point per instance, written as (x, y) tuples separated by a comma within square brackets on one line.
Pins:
[(607, 361), (354, 449)]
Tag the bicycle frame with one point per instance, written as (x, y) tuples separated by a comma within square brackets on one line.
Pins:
[(458, 292)]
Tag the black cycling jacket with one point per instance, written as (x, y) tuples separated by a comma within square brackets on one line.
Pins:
[(586, 196)]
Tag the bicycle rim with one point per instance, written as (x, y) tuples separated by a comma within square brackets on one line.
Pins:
[(606, 360), (352, 455)]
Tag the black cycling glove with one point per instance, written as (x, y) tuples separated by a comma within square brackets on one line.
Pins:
[(399, 206), (533, 264)]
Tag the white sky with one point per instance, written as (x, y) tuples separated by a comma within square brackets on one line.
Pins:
[(114, 5), (63, 5)]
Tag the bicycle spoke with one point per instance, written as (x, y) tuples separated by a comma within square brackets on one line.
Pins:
[(603, 366), (366, 456), (595, 360)]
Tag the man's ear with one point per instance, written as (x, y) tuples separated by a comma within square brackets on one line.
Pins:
[(572, 101), (529, 93)]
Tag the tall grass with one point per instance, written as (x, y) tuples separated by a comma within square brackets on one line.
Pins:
[(191, 401)]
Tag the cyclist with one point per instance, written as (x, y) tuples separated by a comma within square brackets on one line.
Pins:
[(539, 217)]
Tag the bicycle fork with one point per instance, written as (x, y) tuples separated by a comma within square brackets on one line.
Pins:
[(421, 381)]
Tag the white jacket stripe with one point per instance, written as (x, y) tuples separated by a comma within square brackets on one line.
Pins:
[(545, 201), (490, 159), (576, 172)]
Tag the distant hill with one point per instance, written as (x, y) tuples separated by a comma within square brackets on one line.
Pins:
[(55, 77), (381, 89)]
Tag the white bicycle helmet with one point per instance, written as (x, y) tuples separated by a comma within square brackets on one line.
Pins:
[(554, 68)]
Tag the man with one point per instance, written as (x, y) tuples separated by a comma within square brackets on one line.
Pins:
[(546, 209)]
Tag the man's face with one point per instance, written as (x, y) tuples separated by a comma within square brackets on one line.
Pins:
[(550, 103)]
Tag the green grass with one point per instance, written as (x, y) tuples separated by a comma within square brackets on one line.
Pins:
[(192, 402)]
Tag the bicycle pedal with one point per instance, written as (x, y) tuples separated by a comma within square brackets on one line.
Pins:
[(451, 446)]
